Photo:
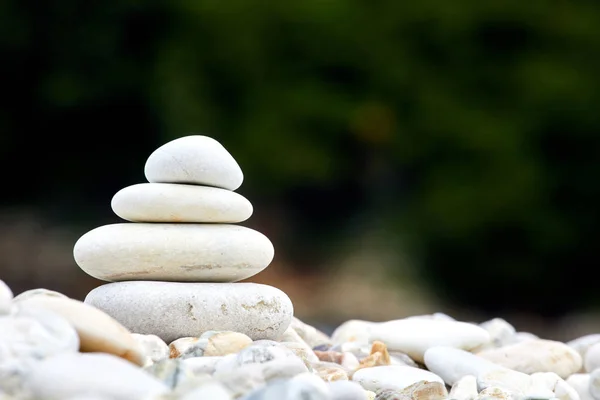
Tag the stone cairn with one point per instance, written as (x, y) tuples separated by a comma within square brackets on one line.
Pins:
[(176, 264)]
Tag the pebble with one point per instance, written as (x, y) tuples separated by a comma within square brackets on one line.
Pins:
[(227, 342), (302, 351), (195, 160), (27, 336), (392, 377), (6, 296), (414, 336), (330, 372), (98, 332), (422, 390), (173, 310), (346, 390), (172, 372), (76, 374), (200, 365), (209, 391), (581, 384), (187, 347), (592, 358), (174, 203), (501, 334), (354, 330), (267, 361), (451, 364), (173, 252), (464, 389), (38, 292), (583, 343), (309, 334), (301, 387), (494, 393), (153, 347), (594, 387), (536, 356)]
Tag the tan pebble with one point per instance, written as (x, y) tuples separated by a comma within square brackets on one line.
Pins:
[(98, 331), (223, 343), (330, 356), (329, 372), (425, 390), (380, 347)]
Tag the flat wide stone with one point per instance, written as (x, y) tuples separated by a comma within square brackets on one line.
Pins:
[(173, 252), (172, 310), (171, 202)]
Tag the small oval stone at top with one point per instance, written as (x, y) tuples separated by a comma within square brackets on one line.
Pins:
[(170, 202), (196, 160)]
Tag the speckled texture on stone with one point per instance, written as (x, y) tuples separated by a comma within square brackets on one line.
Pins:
[(173, 252), (169, 202), (195, 159), (173, 310)]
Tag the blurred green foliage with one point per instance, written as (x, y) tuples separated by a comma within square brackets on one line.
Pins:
[(470, 128)]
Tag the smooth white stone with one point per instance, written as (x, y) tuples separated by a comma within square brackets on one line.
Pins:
[(173, 252), (594, 387), (583, 343), (536, 356), (592, 358), (67, 375), (172, 310), (464, 389), (524, 336), (394, 377), (415, 336), (37, 333), (202, 365), (37, 292), (176, 203), (452, 364), (209, 391), (501, 333), (505, 378), (195, 159), (564, 391), (354, 330), (153, 347), (294, 342), (6, 296), (309, 334), (581, 383), (98, 332), (301, 387), (495, 393), (346, 390)]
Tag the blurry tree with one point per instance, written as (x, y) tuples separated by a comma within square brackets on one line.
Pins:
[(470, 128)]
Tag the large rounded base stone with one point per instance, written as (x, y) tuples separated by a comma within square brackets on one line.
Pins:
[(172, 310)]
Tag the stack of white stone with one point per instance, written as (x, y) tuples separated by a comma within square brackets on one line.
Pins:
[(175, 265)]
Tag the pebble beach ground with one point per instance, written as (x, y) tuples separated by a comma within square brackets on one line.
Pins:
[(54, 347), (173, 322)]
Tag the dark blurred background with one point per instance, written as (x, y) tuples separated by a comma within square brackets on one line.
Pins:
[(403, 157)]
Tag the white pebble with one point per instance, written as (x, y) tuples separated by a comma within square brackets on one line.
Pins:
[(6, 296), (592, 358), (414, 336), (394, 377), (68, 375), (581, 384), (536, 356), (153, 347), (464, 389)]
